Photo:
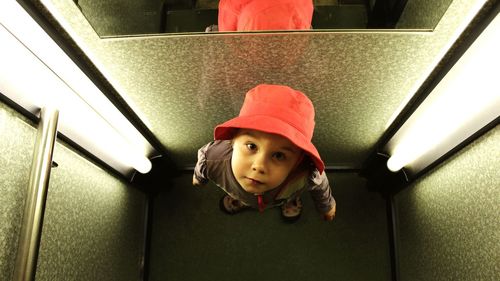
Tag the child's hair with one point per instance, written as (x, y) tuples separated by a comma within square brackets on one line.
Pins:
[(280, 110)]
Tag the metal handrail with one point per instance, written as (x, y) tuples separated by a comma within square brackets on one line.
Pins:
[(31, 228)]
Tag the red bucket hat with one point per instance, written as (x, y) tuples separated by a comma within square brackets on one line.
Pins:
[(246, 15), (278, 110)]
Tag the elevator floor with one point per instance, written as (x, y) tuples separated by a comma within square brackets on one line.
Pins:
[(193, 240)]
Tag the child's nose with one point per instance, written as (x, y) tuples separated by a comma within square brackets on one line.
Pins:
[(259, 164)]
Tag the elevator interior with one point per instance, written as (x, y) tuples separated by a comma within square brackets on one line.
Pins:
[(102, 219)]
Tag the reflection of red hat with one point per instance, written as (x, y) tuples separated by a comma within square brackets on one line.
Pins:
[(278, 110), (246, 15)]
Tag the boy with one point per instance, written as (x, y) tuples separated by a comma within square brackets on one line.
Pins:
[(264, 157)]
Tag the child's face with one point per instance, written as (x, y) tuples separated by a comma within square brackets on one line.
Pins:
[(262, 161)]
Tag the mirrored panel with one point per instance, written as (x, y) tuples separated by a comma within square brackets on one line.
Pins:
[(114, 18)]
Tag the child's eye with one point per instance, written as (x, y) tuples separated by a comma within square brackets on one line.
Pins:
[(251, 146), (280, 156)]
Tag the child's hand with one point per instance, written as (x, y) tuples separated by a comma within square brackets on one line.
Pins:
[(330, 215), (197, 182)]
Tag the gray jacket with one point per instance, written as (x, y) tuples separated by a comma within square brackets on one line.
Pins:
[(214, 163)]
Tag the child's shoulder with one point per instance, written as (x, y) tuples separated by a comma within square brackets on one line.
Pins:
[(308, 171), (219, 150)]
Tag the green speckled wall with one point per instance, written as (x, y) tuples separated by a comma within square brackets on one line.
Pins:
[(17, 138), (182, 86), (449, 227), (193, 240), (93, 227)]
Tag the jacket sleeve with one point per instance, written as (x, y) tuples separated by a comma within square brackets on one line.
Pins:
[(200, 170), (320, 191)]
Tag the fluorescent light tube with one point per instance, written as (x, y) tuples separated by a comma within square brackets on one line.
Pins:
[(35, 72), (464, 101)]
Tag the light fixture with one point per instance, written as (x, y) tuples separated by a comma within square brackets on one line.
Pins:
[(464, 101), (35, 72)]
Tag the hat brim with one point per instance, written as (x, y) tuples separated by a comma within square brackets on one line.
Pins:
[(271, 125)]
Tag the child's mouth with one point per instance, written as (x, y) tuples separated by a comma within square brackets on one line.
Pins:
[(253, 181)]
